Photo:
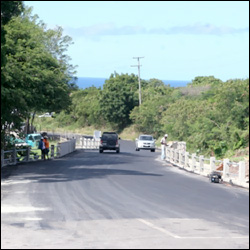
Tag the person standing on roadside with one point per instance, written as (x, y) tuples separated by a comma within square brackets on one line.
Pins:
[(46, 144), (163, 146), (41, 146)]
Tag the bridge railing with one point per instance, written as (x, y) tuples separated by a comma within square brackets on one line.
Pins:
[(17, 155), (231, 172), (88, 143)]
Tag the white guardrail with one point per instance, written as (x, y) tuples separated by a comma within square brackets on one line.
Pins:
[(88, 143), (15, 156), (231, 172)]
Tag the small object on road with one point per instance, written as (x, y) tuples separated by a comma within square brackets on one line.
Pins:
[(215, 177)]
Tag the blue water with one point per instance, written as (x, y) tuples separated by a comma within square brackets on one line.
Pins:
[(86, 82)]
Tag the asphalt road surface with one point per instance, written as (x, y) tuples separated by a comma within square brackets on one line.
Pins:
[(131, 200)]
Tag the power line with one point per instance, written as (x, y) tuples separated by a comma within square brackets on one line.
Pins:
[(139, 80)]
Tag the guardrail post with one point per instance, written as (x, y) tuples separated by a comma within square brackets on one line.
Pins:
[(201, 165), (242, 171), (225, 168), (52, 153), (172, 155), (212, 164), (175, 156), (180, 158), (28, 154), (58, 150), (193, 164), (167, 152), (186, 160), (82, 141)]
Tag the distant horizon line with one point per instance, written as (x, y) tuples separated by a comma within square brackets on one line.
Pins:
[(141, 78)]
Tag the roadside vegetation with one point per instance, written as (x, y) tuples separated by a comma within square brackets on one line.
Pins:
[(210, 115)]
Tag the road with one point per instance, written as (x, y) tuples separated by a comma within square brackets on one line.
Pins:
[(131, 200)]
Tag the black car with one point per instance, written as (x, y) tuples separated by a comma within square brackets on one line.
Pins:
[(109, 141)]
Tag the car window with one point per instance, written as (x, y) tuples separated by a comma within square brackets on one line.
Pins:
[(146, 138), (38, 137), (109, 137)]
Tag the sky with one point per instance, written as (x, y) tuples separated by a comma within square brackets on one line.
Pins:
[(177, 40)]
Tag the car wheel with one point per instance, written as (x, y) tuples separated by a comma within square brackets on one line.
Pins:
[(118, 151), (152, 150), (100, 151)]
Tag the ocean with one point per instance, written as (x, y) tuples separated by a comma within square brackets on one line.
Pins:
[(86, 82)]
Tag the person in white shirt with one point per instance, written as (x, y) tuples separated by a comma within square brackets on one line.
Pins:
[(163, 145)]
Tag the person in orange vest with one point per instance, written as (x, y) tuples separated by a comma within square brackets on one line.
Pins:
[(46, 143)]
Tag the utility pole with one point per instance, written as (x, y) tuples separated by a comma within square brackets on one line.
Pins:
[(139, 80)]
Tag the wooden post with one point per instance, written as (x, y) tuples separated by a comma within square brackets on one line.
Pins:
[(28, 154)]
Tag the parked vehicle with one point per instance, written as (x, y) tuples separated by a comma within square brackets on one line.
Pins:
[(20, 143), (33, 139), (145, 142), (14, 140), (109, 141)]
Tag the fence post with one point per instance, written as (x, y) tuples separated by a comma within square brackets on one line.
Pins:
[(175, 156), (58, 150), (81, 140), (172, 155), (28, 154), (186, 160), (225, 168), (180, 158), (242, 171), (167, 153), (193, 164), (52, 151), (2, 158), (201, 165), (212, 164)]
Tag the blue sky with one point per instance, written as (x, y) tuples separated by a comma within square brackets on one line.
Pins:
[(179, 40)]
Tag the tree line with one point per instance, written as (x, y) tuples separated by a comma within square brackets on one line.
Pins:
[(212, 116)]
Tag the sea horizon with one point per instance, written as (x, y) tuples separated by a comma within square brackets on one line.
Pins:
[(86, 82)]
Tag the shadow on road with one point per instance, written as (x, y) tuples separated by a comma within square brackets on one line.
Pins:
[(79, 165)]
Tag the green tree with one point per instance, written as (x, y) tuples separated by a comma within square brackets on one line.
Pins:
[(156, 99), (119, 97), (35, 78), (204, 80), (86, 107)]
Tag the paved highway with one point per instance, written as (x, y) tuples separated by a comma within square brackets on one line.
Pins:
[(129, 200)]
